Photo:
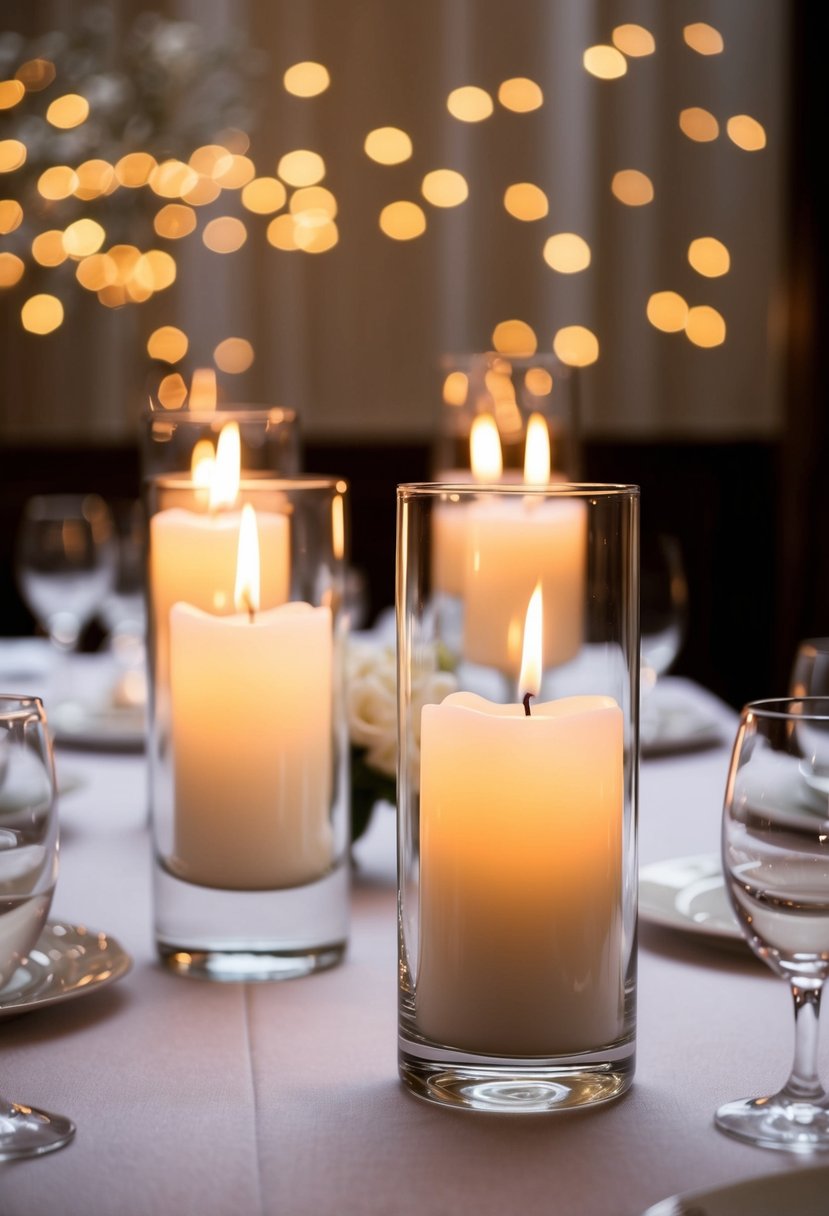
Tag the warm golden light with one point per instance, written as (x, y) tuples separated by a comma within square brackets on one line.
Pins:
[(172, 178), (306, 79), (469, 104), (455, 388), (134, 169), (485, 456), (705, 326), (280, 233), (605, 62), (537, 462), (238, 173), (314, 237), (11, 215), (224, 487), (97, 272), (12, 155), (11, 92), (567, 253), (204, 192), (235, 140), (538, 381), (172, 392), (632, 187), (11, 269), (746, 132), (527, 202), (57, 183), (698, 124), (203, 390), (388, 145), (174, 221), (666, 310), (444, 188), (338, 522), (246, 588), (202, 464), (313, 206), (210, 160), (225, 234), (402, 221), (703, 38), (95, 177), (68, 111), (514, 338), (576, 345), (169, 344), (42, 314), (125, 258), (634, 40), (233, 355), (48, 249), (264, 195), (155, 270), (709, 256), (301, 168), (35, 74), (529, 680), (83, 237), (520, 95)]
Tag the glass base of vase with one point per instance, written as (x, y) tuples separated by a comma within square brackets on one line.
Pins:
[(517, 1089), (26, 1131), (239, 966)]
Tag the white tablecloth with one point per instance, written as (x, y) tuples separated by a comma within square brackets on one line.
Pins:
[(202, 1098)]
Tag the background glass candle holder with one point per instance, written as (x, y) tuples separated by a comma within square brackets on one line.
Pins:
[(269, 439), (517, 834), (247, 743), (511, 388)]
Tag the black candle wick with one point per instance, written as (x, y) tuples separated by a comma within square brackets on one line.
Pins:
[(527, 696)]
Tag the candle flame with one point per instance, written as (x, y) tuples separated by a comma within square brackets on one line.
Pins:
[(529, 681), (246, 590), (537, 452), (203, 389), (485, 449), (227, 471), (202, 464)]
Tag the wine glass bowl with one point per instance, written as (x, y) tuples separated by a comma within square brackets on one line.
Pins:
[(663, 605), (775, 846)]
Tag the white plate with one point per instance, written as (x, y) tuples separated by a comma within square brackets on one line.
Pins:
[(687, 893), (805, 1192), (112, 728), (67, 961), (671, 722)]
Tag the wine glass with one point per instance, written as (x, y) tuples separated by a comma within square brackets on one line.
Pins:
[(28, 869), (663, 605), (776, 865)]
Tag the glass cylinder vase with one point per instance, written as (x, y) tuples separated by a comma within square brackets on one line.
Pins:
[(517, 795), (185, 441), (247, 744)]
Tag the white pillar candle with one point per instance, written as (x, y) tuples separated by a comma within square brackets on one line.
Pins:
[(521, 875), (252, 746)]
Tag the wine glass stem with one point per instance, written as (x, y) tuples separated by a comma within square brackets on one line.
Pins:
[(804, 1084)]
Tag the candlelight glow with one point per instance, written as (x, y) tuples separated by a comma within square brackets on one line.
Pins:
[(705, 326), (95, 177), (605, 62), (210, 160), (313, 206), (338, 527), (529, 681), (233, 355), (246, 589), (172, 178), (527, 202), (174, 221), (709, 257), (388, 145), (280, 233), (520, 95), (485, 449), (203, 389), (11, 269), (172, 392), (301, 168), (306, 79), (47, 248), (576, 345), (667, 311), (225, 234), (632, 187), (567, 253), (134, 169), (12, 155), (264, 195), (168, 344), (402, 221), (445, 188), (202, 464), (634, 40), (746, 132), (698, 124), (538, 381), (11, 215), (83, 237), (41, 314), (314, 237), (455, 388), (469, 104), (514, 338), (537, 452), (56, 183), (96, 272), (224, 486), (11, 92), (235, 173), (68, 111), (703, 38)]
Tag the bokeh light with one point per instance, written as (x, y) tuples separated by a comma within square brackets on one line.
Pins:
[(301, 168), (204, 192), (174, 221), (455, 388), (264, 195), (469, 103), (709, 257), (514, 338), (168, 344), (388, 145), (632, 187), (538, 381), (210, 160), (68, 111), (402, 221), (134, 169), (576, 345), (703, 38), (172, 391), (172, 178), (527, 202), (58, 182), (41, 314), (445, 188), (36, 74), (633, 40), (605, 62), (567, 253), (315, 237), (306, 79), (12, 155), (154, 270), (746, 132), (233, 355), (95, 177), (83, 237), (280, 233), (11, 215), (237, 173), (225, 234), (97, 272), (313, 206), (11, 92), (48, 248), (698, 124), (520, 95), (705, 326), (666, 310), (11, 269)]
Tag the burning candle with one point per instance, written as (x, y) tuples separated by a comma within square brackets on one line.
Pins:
[(521, 870), (252, 737)]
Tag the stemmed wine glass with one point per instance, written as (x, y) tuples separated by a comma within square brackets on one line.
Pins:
[(776, 865), (28, 869)]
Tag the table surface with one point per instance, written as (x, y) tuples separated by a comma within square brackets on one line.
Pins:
[(192, 1097)]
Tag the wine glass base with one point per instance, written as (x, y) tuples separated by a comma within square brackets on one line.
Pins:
[(27, 1132), (776, 1122)]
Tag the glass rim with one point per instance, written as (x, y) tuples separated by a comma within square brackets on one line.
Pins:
[(267, 481), (782, 708), (556, 489), (821, 645), (15, 704), (245, 412)]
